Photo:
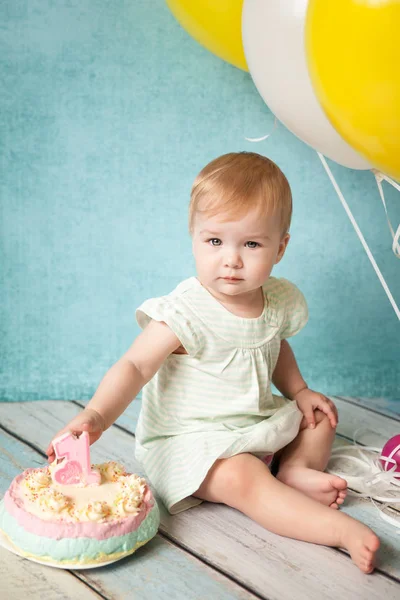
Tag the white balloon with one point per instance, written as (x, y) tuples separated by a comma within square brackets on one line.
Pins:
[(274, 45)]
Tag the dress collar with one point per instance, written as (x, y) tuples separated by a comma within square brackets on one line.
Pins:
[(242, 331)]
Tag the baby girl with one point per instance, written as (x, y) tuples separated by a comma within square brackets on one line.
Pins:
[(210, 427)]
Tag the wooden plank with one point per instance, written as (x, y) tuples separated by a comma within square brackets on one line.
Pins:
[(379, 427), (270, 565), (386, 406), (162, 570), (159, 569), (25, 579)]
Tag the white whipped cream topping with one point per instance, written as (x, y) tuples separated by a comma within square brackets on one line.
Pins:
[(120, 494), (97, 511), (53, 501)]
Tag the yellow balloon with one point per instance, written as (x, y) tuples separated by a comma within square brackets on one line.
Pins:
[(215, 24), (353, 53)]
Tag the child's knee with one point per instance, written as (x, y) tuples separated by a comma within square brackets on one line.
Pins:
[(239, 477), (232, 475), (229, 481), (225, 481)]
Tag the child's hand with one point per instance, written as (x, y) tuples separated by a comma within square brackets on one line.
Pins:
[(88, 420), (309, 401)]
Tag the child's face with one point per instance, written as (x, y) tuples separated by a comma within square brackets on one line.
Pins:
[(236, 257)]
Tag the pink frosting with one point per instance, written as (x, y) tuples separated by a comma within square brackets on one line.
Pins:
[(62, 529)]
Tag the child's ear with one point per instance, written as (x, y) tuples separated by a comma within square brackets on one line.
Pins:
[(282, 247)]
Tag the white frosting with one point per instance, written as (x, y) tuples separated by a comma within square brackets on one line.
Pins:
[(120, 494), (52, 500), (97, 511)]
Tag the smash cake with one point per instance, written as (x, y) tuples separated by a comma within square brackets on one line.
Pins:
[(77, 514)]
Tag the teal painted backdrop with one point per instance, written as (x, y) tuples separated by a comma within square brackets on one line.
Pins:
[(108, 110)]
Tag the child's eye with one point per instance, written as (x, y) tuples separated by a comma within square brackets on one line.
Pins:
[(215, 242), (252, 244)]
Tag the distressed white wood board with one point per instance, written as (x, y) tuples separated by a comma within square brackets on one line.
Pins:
[(385, 406), (375, 428), (267, 564), (21, 579), (156, 570)]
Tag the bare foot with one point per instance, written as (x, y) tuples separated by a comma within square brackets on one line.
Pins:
[(327, 489), (362, 544)]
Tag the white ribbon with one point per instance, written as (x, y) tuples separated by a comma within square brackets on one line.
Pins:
[(379, 177), (376, 481), (360, 235)]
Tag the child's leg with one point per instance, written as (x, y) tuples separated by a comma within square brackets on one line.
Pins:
[(245, 483), (302, 461)]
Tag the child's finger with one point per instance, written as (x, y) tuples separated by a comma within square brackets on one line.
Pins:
[(334, 413), (326, 408), (310, 418), (50, 454), (85, 421), (334, 408), (50, 448)]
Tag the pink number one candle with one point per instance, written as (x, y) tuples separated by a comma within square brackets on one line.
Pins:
[(75, 469)]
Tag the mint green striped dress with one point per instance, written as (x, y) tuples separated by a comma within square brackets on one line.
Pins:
[(216, 400)]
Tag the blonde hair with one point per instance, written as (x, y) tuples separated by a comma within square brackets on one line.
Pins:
[(238, 182)]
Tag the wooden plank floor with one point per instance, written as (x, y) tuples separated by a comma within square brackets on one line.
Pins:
[(210, 551)]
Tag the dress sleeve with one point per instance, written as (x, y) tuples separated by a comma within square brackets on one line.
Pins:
[(295, 310), (168, 310)]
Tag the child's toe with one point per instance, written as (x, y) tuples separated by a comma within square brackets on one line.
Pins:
[(340, 484)]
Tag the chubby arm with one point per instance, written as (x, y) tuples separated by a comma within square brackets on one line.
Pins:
[(286, 376), (132, 371), (123, 382)]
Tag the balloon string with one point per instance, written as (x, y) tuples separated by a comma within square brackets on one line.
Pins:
[(360, 235), (379, 177)]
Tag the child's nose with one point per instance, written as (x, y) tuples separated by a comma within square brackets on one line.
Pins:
[(233, 260)]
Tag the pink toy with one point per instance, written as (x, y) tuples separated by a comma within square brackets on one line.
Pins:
[(391, 450), (75, 468)]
